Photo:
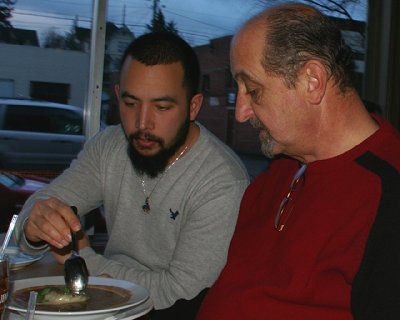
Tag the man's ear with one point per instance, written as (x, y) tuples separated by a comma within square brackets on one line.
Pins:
[(195, 105), (316, 78), (117, 91)]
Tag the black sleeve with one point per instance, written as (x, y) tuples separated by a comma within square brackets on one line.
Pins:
[(376, 287)]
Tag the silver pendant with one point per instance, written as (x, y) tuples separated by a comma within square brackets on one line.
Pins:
[(146, 206)]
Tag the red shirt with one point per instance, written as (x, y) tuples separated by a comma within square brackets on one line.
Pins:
[(307, 270)]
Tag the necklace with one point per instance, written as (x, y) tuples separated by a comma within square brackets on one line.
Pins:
[(146, 207)]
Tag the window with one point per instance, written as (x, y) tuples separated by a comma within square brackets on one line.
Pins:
[(66, 122), (42, 119), (22, 118), (49, 91), (6, 88)]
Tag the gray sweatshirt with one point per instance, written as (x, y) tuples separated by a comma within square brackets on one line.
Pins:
[(180, 246)]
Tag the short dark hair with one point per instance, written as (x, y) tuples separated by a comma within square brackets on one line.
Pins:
[(166, 48), (297, 33)]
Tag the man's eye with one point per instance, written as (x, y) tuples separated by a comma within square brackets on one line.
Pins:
[(253, 94), (162, 108), (130, 103)]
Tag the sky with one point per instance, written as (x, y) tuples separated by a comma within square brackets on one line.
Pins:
[(198, 21)]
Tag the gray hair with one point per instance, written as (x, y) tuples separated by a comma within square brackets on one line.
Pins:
[(297, 33)]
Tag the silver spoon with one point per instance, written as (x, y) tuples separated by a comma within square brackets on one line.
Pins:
[(76, 274), (8, 235), (31, 305)]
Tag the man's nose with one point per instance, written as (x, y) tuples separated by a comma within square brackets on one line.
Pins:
[(243, 110), (144, 120)]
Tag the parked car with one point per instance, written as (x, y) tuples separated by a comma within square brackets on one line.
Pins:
[(39, 134), (14, 190)]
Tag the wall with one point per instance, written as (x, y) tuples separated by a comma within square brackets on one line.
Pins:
[(24, 64)]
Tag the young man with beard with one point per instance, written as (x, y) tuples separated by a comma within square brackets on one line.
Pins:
[(318, 233), (170, 189)]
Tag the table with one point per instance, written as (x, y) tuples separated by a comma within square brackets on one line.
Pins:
[(47, 266)]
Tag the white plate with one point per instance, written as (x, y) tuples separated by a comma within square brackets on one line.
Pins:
[(134, 312), (18, 259), (138, 296), (128, 314)]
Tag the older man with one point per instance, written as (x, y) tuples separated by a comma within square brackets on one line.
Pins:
[(318, 233)]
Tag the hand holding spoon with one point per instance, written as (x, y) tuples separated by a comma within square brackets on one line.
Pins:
[(76, 274)]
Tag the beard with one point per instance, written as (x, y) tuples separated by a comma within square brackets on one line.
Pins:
[(155, 164), (267, 142)]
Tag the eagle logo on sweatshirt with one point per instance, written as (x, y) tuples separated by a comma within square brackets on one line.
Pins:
[(173, 214)]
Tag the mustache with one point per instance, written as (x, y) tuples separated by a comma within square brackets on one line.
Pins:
[(140, 134), (257, 124)]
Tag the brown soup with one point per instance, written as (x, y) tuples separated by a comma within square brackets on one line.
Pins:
[(100, 298)]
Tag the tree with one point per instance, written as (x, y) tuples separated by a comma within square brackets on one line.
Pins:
[(6, 8), (54, 40), (69, 41), (328, 7), (338, 6), (78, 38), (158, 23)]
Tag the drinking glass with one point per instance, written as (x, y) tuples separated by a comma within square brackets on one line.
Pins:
[(4, 284)]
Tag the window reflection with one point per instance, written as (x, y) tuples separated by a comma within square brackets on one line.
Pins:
[(48, 48)]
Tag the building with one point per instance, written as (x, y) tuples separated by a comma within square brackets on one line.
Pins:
[(19, 36), (219, 88), (42, 73), (52, 74)]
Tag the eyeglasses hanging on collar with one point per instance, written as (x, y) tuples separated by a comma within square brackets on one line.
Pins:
[(286, 207)]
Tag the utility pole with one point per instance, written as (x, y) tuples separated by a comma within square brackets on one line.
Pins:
[(123, 15)]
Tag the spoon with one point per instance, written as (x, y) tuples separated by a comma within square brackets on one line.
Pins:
[(8, 235), (31, 305), (76, 274)]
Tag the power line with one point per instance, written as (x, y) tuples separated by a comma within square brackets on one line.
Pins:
[(195, 20), (139, 26), (51, 16)]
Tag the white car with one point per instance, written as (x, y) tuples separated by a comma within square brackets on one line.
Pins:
[(39, 134)]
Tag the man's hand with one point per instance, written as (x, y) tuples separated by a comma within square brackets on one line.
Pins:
[(63, 254), (52, 221)]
